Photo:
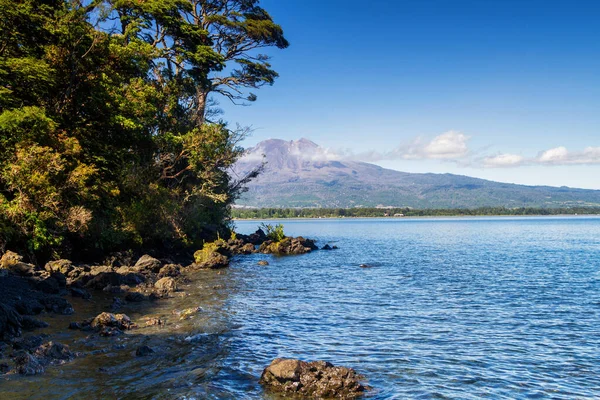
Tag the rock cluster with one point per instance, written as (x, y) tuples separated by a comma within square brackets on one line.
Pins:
[(34, 361), (288, 246), (316, 379)]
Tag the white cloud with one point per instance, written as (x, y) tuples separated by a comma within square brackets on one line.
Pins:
[(562, 156), (450, 145), (503, 160), (555, 155)]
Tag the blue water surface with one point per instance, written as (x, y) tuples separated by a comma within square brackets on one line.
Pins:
[(463, 308)]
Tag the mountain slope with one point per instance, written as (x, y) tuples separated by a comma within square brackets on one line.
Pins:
[(302, 174)]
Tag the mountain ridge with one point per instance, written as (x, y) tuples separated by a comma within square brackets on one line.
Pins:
[(299, 173)]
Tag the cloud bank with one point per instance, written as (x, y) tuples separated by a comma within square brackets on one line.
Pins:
[(555, 156), (451, 145)]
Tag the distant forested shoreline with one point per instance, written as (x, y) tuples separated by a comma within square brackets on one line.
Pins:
[(267, 213)]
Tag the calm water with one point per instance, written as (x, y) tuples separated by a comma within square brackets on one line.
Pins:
[(451, 308)]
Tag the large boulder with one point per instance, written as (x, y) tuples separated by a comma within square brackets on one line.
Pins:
[(106, 324), (208, 257), (10, 321), (14, 263), (147, 263), (65, 267), (171, 270), (288, 246), (316, 379), (166, 285)]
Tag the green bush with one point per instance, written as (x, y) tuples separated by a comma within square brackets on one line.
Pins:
[(274, 233)]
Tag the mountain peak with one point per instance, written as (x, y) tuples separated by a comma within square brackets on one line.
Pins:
[(300, 173)]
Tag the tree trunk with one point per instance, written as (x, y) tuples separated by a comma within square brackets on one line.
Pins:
[(201, 96)]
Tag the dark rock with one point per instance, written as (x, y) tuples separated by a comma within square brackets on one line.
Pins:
[(258, 237), (53, 353), (119, 259), (166, 285), (4, 368), (30, 323), (116, 289), (58, 305), (263, 262), (365, 266), (147, 263), (143, 351), (82, 293), (317, 379), (27, 364), (117, 303), (103, 279), (172, 270), (28, 342), (133, 279), (328, 247), (135, 297), (10, 321), (60, 278), (48, 285), (29, 306), (75, 326)]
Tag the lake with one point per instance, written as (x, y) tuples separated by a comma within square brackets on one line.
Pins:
[(451, 308)]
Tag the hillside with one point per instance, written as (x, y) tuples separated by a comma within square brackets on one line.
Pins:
[(302, 174)]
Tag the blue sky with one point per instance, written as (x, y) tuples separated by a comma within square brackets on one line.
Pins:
[(502, 90)]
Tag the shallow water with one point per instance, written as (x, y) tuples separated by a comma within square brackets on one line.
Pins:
[(451, 308)]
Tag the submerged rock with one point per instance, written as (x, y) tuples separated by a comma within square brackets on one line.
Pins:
[(27, 364), (189, 312), (317, 379), (263, 262), (120, 321), (143, 351), (106, 324), (135, 297), (54, 353)]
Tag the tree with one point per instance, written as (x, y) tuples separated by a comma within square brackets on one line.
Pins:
[(104, 141)]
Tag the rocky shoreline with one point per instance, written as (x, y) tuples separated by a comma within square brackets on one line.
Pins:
[(29, 291)]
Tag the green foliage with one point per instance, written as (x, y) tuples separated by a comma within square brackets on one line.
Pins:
[(104, 142), (274, 232), (208, 250)]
